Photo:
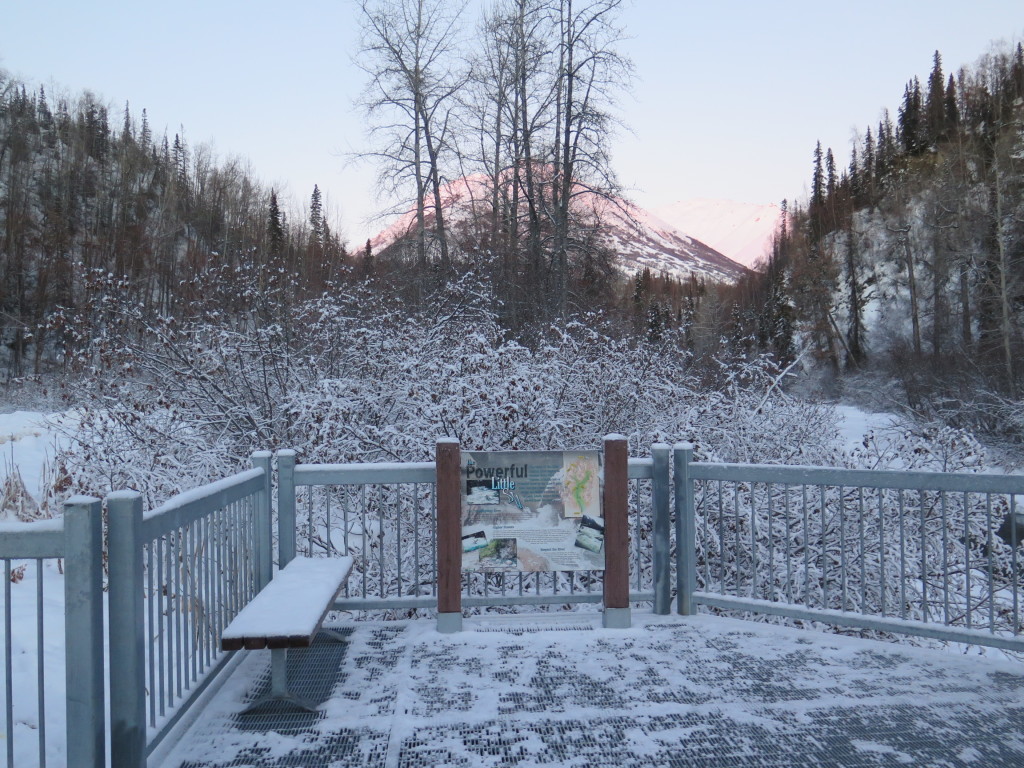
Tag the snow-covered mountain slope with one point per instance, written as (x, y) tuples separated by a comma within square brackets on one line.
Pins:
[(642, 239), (741, 231), (639, 238)]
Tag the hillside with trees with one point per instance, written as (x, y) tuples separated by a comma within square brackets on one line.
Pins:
[(89, 199), (908, 262)]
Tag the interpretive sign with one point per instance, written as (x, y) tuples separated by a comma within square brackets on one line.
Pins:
[(532, 511)]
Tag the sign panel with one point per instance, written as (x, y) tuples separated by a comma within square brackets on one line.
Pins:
[(532, 511)]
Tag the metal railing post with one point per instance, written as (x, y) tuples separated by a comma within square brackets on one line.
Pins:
[(285, 507), (127, 630), (660, 453), (448, 463), (686, 531), (264, 521), (83, 631), (616, 531)]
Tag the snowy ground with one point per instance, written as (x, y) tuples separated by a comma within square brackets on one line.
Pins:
[(672, 691), (28, 441), (855, 423)]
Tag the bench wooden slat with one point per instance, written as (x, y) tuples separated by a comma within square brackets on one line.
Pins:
[(290, 609)]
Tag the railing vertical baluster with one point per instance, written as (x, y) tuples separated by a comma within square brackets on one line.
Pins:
[(309, 530), (903, 558), (771, 544), (863, 551), (178, 611), (193, 603), (967, 552), (881, 550), (736, 534), (416, 535), (433, 539), (381, 539), (1015, 571), (366, 535), (329, 544), (789, 547), (151, 634), (945, 560), (691, 488), (8, 665), (721, 541), (161, 596), (206, 639), (40, 665), (991, 565), (842, 548), (922, 499), (398, 537), (822, 502), (753, 540), (807, 551), (634, 504)]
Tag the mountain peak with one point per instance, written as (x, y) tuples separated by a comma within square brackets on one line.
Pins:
[(741, 231), (639, 238)]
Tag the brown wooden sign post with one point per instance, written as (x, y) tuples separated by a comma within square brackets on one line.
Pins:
[(616, 532), (449, 535)]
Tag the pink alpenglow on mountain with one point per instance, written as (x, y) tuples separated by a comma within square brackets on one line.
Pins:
[(638, 238), (741, 231)]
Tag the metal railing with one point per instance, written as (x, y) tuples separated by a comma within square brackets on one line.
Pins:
[(72, 733), (917, 553), (178, 575), (384, 516)]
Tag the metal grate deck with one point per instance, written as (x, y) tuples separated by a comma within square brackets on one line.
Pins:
[(699, 692)]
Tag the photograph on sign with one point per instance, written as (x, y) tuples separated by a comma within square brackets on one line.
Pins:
[(532, 511)]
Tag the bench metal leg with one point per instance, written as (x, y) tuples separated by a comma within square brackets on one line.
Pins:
[(330, 634), (279, 692), (279, 673)]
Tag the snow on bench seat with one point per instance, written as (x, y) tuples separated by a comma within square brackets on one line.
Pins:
[(290, 609)]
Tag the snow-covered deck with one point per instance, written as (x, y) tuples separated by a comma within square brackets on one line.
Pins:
[(562, 691)]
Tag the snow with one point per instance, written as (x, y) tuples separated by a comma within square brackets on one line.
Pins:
[(854, 424), (193, 494), (665, 682), (741, 231), (294, 602), (29, 441)]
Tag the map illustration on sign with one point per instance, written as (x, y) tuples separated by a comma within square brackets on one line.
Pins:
[(532, 511)]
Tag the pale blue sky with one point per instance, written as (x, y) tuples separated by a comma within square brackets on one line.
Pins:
[(729, 100)]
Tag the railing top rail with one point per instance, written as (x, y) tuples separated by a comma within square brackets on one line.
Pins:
[(40, 538), (866, 478), (641, 469), (189, 506), (386, 473)]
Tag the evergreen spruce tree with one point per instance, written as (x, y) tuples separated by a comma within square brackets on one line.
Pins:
[(935, 104), (316, 218), (145, 134), (909, 133)]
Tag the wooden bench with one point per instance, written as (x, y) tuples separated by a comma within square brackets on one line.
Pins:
[(287, 613)]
